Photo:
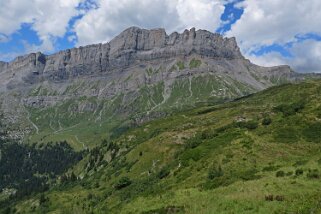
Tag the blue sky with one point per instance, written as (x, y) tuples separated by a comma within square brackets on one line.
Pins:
[(268, 32)]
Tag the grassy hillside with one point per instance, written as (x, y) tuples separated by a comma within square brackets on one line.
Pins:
[(259, 154), (85, 121)]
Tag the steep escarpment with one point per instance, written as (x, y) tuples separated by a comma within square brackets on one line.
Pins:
[(134, 45), (139, 75)]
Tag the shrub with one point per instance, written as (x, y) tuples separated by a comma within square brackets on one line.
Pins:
[(251, 125), (208, 134), (123, 182), (300, 163), (269, 197), (313, 174), (266, 121), (270, 168), (249, 175), (215, 172), (272, 198), (290, 109), (279, 198), (191, 154), (247, 143), (194, 141), (280, 173), (289, 173), (165, 210), (43, 199), (298, 172), (164, 172)]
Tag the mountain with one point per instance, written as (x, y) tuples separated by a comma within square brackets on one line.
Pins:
[(89, 93), (157, 123), (258, 154)]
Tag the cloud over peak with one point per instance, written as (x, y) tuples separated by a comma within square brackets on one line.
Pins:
[(113, 16)]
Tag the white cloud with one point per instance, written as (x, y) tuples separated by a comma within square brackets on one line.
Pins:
[(275, 21), (268, 59), (113, 16), (305, 57), (48, 18), (264, 23), (3, 38)]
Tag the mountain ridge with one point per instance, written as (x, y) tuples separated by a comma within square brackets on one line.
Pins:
[(132, 45), (138, 75)]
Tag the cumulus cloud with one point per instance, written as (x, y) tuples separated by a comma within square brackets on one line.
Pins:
[(268, 59), (275, 21), (113, 16), (305, 57), (265, 23), (48, 18)]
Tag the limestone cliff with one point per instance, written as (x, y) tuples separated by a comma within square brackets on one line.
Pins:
[(140, 74)]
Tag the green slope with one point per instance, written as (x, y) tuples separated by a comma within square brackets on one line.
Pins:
[(85, 121), (259, 154)]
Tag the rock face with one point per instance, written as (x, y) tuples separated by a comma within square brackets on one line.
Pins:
[(132, 45), (140, 73)]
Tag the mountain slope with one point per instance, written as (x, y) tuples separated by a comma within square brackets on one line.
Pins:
[(83, 94), (258, 154)]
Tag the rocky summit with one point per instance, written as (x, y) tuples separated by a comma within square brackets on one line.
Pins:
[(139, 75)]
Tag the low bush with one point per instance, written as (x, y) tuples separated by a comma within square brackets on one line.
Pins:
[(250, 125), (215, 172), (313, 174), (290, 109), (269, 197), (194, 141), (289, 173), (266, 121), (164, 172), (280, 173), (270, 168), (298, 172), (300, 163), (279, 198), (272, 198), (208, 134), (248, 175), (166, 210), (122, 183)]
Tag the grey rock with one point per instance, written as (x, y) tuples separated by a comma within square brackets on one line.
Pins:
[(132, 45), (105, 80)]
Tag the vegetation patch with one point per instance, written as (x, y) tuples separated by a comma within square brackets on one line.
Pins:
[(195, 63), (180, 65), (290, 109), (312, 132)]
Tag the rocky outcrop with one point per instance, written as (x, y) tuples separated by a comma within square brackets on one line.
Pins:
[(134, 45)]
